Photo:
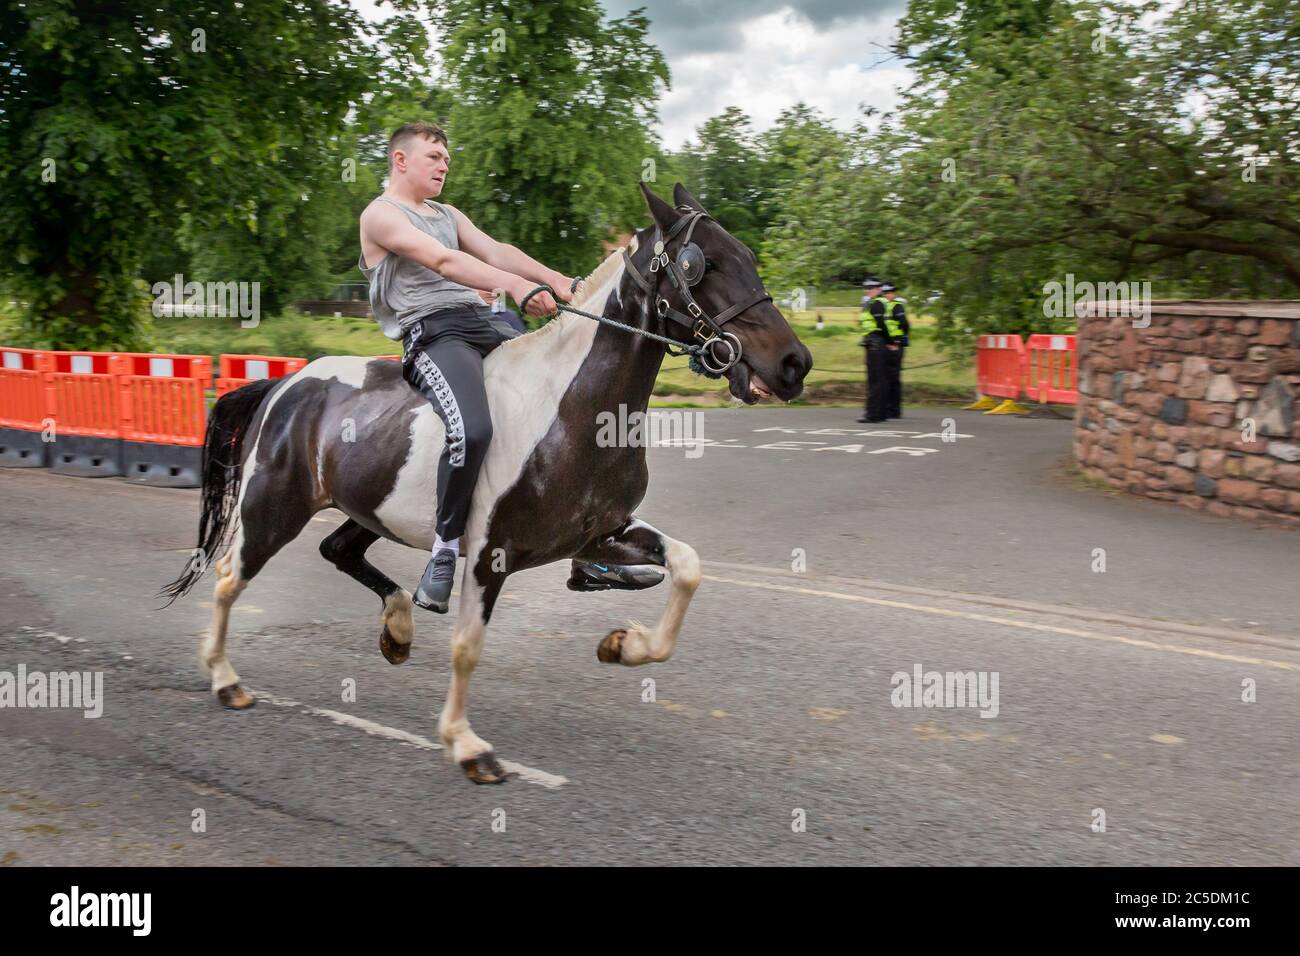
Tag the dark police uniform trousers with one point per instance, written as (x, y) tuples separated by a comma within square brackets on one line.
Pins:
[(877, 407)]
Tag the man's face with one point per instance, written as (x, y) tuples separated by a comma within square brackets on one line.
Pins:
[(426, 162), (873, 291), (890, 295)]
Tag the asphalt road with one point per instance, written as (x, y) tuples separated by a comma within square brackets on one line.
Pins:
[(828, 568)]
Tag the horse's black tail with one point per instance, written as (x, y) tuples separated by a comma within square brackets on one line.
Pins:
[(222, 453)]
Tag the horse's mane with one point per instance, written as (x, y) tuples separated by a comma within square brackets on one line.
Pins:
[(586, 289)]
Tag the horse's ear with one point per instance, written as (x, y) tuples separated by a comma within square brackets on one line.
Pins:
[(663, 214), (683, 197)]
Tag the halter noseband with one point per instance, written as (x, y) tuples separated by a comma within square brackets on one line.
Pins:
[(684, 272)]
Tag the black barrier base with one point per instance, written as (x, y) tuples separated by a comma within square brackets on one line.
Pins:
[(22, 449), (162, 466), (86, 457)]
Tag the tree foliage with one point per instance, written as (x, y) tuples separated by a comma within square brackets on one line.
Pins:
[(549, 118), (116, 116)]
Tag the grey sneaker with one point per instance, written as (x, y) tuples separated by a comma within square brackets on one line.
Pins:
[(589, 576), (435, 587)]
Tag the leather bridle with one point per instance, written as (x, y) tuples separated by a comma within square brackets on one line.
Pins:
[(684, 272)]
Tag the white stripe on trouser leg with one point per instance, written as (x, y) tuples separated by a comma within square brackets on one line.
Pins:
[(447, 399)]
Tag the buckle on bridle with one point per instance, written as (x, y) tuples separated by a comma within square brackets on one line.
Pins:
[(661, 306), (702, 331)]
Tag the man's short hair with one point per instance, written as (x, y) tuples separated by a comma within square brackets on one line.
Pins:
[(403, 135)]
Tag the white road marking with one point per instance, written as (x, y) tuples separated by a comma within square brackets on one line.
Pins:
[(1008, 622), (1036, 607), (530, 774)]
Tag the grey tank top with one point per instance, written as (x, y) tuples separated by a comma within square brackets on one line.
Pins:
[(402, 291)]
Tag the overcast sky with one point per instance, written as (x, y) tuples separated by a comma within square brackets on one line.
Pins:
[(766, 55), (763, 56)]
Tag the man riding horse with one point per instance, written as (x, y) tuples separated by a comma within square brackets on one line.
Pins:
[(427, 259), (350, 434)]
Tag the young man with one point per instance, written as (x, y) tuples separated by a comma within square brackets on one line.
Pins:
[(424, 261)]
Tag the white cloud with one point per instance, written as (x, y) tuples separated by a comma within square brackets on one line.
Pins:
[(777, 56), (782, 59)]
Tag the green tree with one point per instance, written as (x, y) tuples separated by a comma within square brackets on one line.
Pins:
[(116, 117), (550, 107)]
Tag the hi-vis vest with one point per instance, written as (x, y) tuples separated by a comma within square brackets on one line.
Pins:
[(868, 320), (892, 325)]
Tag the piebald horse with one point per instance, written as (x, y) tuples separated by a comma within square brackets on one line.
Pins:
[(349, 433)]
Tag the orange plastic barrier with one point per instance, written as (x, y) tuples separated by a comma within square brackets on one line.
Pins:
[(1000, 365), (161, 396), (23, 400), (236, 371), (24, 409), (83, 393), (1051, 370)]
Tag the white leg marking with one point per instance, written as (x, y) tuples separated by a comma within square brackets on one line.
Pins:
[(642, 646), (396, 616), (228, 587), (466, 645)]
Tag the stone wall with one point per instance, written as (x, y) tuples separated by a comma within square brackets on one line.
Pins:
[(1167, 411)]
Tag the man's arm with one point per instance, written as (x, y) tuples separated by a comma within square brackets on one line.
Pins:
[(505, 256), (388, 227)]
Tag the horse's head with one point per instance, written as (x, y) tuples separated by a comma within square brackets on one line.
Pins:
[(713, 283)]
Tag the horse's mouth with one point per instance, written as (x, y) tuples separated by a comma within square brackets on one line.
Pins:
[(746, 384)]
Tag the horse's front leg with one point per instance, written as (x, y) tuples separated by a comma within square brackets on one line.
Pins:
[(639, 543), (478, 593)]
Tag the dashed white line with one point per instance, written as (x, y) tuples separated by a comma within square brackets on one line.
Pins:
[(550, 781)]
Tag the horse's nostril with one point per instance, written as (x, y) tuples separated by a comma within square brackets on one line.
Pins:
[(796, 365)]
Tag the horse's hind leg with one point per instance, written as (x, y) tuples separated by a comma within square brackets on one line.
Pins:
[(266, 525), (345, 548), (638, 543), (212, 649)]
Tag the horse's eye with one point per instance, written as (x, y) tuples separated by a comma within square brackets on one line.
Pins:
[(708, 263)]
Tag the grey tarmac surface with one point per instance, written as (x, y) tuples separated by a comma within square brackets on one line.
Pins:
[(1118, 691)]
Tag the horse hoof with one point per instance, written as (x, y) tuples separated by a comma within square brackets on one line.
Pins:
[(610, 650), (393, 652), (235, 697), (484, 769)]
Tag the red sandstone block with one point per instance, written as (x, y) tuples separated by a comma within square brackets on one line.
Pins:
[(1276, 498), (1275, 332), (1210, 413), (1259, 467), (1229, 347), (1287, 475), (1255, 373), (1219, 509), (1211, 462), (1180, 479), (1238, 491)]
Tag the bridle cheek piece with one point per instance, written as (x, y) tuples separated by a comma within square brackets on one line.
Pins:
[(686, 272)]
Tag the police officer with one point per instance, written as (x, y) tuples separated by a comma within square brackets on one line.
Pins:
[(875, 339), (897, 328)]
